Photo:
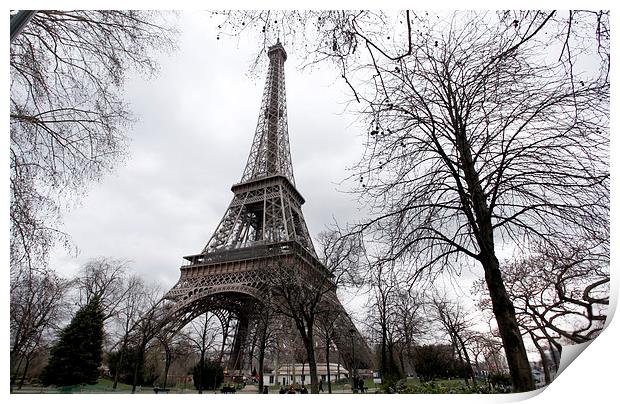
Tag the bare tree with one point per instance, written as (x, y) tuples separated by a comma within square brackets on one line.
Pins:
[(37, 309), (275, 342), (67, 116), (559, 294), (300, 296), (565, 291), (477, 347), (344, 256), (481, 133), (106, 279), (306, 293), (147, 327), (457, 142), (203, 333), (329, 328), (381, 319), (397, 320), (175, 346), (412, 327), (127, 316), (274, 336), (456, 323), (486, 352)]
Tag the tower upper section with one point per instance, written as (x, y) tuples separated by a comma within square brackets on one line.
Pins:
[(266, 208), (270, 153)]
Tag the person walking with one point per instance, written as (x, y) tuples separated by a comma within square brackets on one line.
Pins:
[(321, 385)]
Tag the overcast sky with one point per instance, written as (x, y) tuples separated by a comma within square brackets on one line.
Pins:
[(197, 119)]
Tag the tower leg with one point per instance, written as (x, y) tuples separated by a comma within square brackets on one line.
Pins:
[(235, 361), (225, 320)]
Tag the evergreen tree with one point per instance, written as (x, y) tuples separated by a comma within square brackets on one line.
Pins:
[(76, 357), (211, 375)]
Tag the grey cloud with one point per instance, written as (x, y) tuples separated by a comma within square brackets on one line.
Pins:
[(196, 121)]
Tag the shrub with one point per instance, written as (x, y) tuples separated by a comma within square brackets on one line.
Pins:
[(501, 380)]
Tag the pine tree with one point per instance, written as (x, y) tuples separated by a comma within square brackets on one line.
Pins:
[(76, 357)]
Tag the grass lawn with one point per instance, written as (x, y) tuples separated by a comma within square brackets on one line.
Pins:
[(106, 384), (102, 386), (450, 383), (443, 386)]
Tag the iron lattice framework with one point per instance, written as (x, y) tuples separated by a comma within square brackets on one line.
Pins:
[(262, 227), (266, 207), (270, 154)]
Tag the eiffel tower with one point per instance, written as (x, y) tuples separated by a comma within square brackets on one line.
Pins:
[(263, 224)]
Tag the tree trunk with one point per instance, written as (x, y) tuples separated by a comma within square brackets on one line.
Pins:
[(137, 366), (383, 368), (261, 357), (392, 365), (168, 361), (556, 351), (410, 359), (338, 368), (401, 360), (329, 377), (118, 367), (477, 362), (200, 370), (461, 362), (252, 347), (16, 371), (503, 309), (26, 366), (314, 379), (543, 359), (468, 361), (276, 374)]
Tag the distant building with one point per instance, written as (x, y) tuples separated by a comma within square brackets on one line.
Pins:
[(365, 373), (300, 373)]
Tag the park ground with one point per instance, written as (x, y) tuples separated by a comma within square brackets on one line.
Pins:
[(104, 386)]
